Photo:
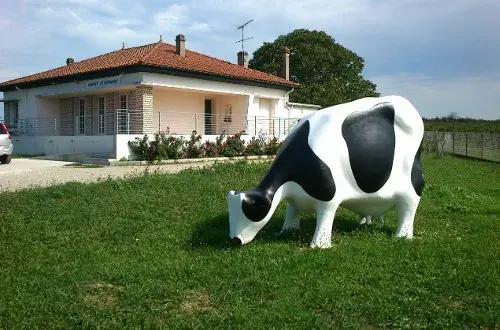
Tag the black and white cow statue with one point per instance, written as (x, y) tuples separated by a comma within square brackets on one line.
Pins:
[(362, 155)]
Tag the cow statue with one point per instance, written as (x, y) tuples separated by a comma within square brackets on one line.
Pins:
[(362, 155), (368, 219)]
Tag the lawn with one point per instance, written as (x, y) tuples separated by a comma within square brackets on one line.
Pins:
[(154, 251)]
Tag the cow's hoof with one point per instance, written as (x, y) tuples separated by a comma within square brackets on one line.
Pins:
[(237, 241), (405, 235), (321, 245), (287, 230)]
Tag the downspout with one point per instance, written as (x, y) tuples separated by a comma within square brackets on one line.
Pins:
[(25, 105), (287, 95)]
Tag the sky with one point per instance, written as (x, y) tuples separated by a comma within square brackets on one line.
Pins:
[(442, 55)]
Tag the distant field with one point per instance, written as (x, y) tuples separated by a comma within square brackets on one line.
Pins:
[(154, 251), (462, 125)]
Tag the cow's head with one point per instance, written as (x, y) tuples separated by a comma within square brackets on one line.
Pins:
[(249, 211)]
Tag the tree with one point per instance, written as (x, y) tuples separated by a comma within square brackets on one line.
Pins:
[(329, 73)]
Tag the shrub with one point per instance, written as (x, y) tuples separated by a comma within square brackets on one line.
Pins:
[(210, 149), (234, 146), (165, 146), (255, 146), (194, 147), (219, 142), (140, 148), (162, 147), (169, 147), (272, 147)]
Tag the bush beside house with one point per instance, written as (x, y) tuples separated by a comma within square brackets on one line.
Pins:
[(165, 146)]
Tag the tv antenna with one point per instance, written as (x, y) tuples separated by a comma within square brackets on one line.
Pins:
[(242, 40)]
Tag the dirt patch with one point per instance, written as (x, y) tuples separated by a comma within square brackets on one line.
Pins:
[(457, 304), (100, 295), (196, 301)]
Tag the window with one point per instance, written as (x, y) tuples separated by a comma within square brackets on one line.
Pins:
[(123, 101), (14, 112), (101, 105), (122, 114), (81, 117), (11, 113)]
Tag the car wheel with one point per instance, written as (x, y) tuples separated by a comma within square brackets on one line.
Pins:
[(6, 159)]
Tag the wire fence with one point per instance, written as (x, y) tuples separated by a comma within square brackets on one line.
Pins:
[(215, 124), (127, 121), (470, 144)]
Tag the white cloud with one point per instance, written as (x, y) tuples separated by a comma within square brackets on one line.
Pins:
[(470, 96), (40, 34)]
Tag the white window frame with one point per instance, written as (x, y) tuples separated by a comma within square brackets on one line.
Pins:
[(81, 116), (101, 113), (122, 120)]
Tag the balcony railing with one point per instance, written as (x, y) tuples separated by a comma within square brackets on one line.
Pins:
[(215, 124), (126, 121)]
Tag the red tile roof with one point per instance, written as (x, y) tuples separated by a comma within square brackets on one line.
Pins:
[(160, 55)]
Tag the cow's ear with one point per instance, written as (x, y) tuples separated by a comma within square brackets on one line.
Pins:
[(255, 206)]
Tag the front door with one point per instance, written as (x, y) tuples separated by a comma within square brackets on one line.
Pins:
[(208, 117)]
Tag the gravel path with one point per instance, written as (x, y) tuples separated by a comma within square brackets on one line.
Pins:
[(42, 177)]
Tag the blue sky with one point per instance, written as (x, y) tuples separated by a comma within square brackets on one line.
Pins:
[(443, 55)]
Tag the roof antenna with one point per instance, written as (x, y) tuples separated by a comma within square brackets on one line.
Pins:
[(242, 27)]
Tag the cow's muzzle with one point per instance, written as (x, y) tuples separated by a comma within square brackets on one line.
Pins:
[(237, 241)]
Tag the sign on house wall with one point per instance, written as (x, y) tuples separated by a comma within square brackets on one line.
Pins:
[(103, 83)]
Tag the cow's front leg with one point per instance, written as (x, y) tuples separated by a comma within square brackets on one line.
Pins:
[(324, 222), (406, 207), (292, 218)]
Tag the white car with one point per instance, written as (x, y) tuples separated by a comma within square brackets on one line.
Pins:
[(6, 146)]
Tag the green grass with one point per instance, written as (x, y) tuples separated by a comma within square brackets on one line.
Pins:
[(154, 252)]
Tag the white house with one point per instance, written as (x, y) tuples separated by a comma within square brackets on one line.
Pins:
[(98, 104)]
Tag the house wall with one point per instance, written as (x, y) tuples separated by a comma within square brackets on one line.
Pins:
[(299, 111), (217, 87), (61, 145), (183, 111), (31, 106)]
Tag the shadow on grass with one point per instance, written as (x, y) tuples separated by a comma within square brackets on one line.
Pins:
[(214, 232)]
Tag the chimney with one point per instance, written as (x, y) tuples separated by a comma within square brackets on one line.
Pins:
[(243, 58), (285, 64), (180, 45), (69, 60)]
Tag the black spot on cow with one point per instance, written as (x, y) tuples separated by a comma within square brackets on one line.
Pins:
[(371, 141), (417, 177), (296, 162)]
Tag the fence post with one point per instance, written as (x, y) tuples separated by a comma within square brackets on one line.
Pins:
[(279, 126), (482, 145), (55, 126), (466, 143), (159, 122), (255, 125), (453, 142), (195, 123), (128, 122)]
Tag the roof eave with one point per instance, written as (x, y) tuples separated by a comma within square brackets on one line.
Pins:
[(151, 69)]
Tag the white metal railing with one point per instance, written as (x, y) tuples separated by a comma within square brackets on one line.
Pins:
[(128, 121), (215, 124)]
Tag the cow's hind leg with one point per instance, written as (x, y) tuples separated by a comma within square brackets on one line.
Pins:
[(324, 222), (406, 208), (292, 218)]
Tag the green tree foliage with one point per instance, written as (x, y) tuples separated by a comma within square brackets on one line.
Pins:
[(328, 72)]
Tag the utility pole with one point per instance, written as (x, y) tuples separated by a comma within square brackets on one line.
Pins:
[(242, 40)]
